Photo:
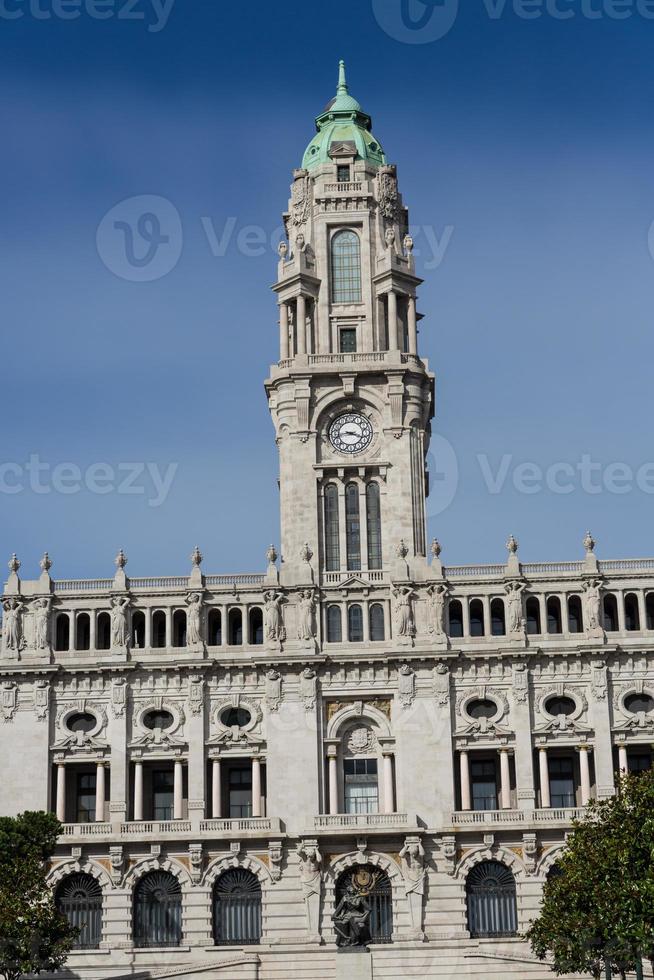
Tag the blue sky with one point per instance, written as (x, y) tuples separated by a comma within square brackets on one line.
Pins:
[(524, 149)]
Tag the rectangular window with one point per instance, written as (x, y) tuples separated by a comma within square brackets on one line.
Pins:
[(562, 782), (85, 797), (332, 534), (484, 784), (639, 762), (240, 791), (162, 794), (361, 786), (343, 173), (348, 340)]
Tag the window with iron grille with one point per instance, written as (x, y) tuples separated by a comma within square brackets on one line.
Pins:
[(346, 267), (491, 901), (79, 898), (237, 908), (374, 885), (158, 910), (361, 786)]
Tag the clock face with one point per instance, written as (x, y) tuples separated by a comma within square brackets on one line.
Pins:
[(351, 433)]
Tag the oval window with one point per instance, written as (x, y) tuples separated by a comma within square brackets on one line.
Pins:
[(158, 720), (560, 706), (235, 717), (482, 709), (639, 702), (83, 721)]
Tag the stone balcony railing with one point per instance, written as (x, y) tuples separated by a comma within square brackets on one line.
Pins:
[(365, 821), (548, 815), (147, 829)]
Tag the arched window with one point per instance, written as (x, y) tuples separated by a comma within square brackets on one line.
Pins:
[(332, 543), (179, 628), (159, 629), (554, 614), (631, 614), (334, 628), (62, 632), (235, 620), (649, 606), (377, 627), (491, 901), (371, 886), (158, 910), (215, 628), (256, 626), (346, 267), (83, 632), (355, 624), (477, 618), (373, 519), (456, 618), (498, 617), (575, 615), (610, 613), (352, 527), (79, 898), (532, 610), (237, 908), (138, 629), (103, 627)]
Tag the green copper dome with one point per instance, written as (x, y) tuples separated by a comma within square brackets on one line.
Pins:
[(343, 121)]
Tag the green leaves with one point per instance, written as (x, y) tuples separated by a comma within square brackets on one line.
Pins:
[(33, 935), (601, 905)]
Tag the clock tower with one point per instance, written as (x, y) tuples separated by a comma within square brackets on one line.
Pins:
[(350, 398)]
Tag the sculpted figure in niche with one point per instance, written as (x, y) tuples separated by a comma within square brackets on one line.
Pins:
[(438, 595), (41, 622), (514, 592), (404, 610), (305, 618), (119, 621), (592, 603), (272, 611), (13, 624), (193, 620), (415, 875), (310, 879)]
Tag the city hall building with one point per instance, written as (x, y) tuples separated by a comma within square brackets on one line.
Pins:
[(358, 761)]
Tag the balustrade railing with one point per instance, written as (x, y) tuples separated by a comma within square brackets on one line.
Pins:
[(325, 821), (539, 816)]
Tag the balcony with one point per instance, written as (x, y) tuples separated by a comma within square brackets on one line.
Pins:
[(166, 829), (346, 822), (485, 818)]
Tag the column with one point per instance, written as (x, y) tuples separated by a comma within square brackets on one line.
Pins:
[(169, 627), (544, 777), (99, 792), (642, 610), (216, 790), (138, 790), (413, 329), (623, 761), (256, 786), (505, 780), (72, 631), (333, 784), (178, 789), (585, 774), (301, 325), (365, 612), (465, 603), (283, 331), (61, 792), (389, 802), (542, 604), (147, 640), (464, 766), (392, 321), (619, 598), (92, 630)]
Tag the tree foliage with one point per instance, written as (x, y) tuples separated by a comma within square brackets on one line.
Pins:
[(599, 906), (34, 936)]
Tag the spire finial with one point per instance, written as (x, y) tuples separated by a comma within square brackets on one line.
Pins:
[(342, 84)]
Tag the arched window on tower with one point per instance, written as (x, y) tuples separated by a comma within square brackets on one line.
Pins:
[(532, 609), (355, 623), (334, 627), (610, 613), (456, 618), (498, 617), (62, 632), (352, 527), (346, 267), (235, 627), (159, 629), (138, 629), (256, 626), (575, 615), (553, 614), (476, 618), (631, 614), (79, 898), (215, 631), (377, 628), (179, 628), (237, 908), (373, 518), (83, 632), (332, 544), (103, 627), (491, 901), (158, 910), (649, 606)]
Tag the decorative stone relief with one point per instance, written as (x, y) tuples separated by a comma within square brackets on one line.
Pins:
[(41, 699), (300, 199), (592, 607), (482, 725), (195, 860), (448, 853), (529, 852), (273, 689), (9, 700), (361, 741), (516, 617), (442, 683), (195, 694), (406, 685), (415, 875), (306, 617), (388, 196), (598, 679), (310, 860), (117, 861), (308, 686), (520, 681), (118, 696), (232, 733), (275, 855)]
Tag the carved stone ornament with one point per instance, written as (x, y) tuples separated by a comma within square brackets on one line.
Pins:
[(598, 679), (442, 683), (306, 616), (529, 852), (117, 861), (41, 609), (310, 862), (308, 685), (195, 860), (361, 741), (405, 628), (195, 694), (273, 617), (275, 855), (118, 696), (119, 607), (194, 638), (406, 679), (9, 700), (448, 853), (300, 200), (41, 699), (520, 682), (273, 689), (388, 197)]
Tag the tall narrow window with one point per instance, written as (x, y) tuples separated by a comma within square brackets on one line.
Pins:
[(355, 624), (159, 629), (256, 626), (456, 618), (162, 794), (85, 797), (62, 632), (179, 628), (575, 617), (649, 605), (484, 784), (532, 607), (352, 527), (103, 639), (361, 787), (215, 628), (83, 632), (343, 173), (373, 519), (334, 628), (235, 627), (631, 614), (377, 632), (332, 545), (240, 791), (348, 340), (346, 267), (562, 782), (553, 614), (610, 613), (498, 617), (476, 618), (138, 629)]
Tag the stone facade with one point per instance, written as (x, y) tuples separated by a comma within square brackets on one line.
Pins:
[(360, 645)]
